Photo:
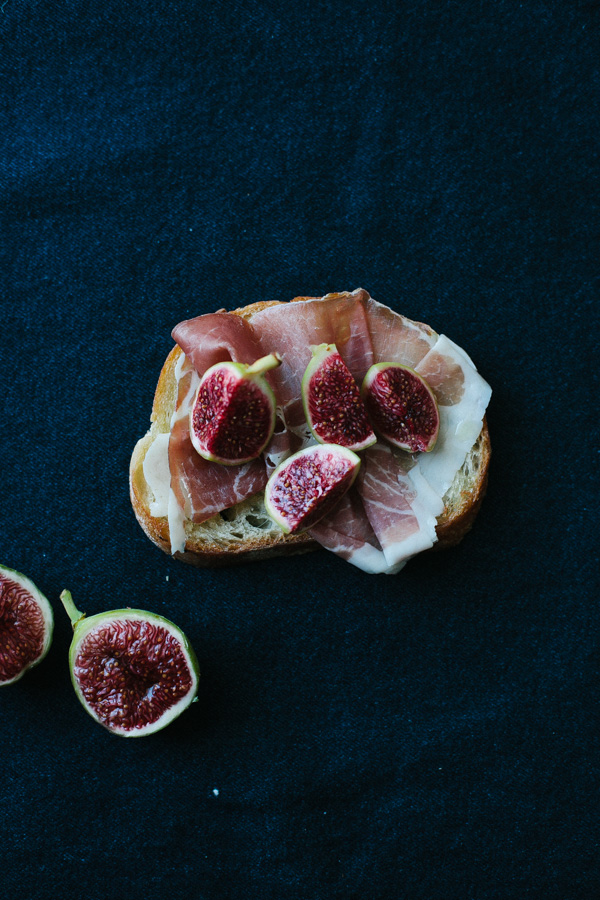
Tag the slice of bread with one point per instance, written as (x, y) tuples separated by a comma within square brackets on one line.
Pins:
[(245, 532)]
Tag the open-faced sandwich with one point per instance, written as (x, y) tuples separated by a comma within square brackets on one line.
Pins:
[(332, 422)]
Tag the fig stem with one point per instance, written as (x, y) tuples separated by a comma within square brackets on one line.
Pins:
[(74, 614), (264, 364)]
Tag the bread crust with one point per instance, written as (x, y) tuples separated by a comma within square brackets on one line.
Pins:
[(458, 517), (204, 549)]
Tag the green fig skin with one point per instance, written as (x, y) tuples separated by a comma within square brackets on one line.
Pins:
[(47, 614), (83, 626)]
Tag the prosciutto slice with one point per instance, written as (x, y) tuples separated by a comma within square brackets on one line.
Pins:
[(290, 329), (400, 505), (216, 337), (347, 532), (395, 338), (199, 488)]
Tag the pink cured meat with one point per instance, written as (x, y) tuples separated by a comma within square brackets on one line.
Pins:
[(444, 376), (290, 329), (215, 338), (396, 338), (399, 504), (347, 532), (203, 488)]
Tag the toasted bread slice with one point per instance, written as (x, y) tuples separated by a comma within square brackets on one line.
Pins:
[(245, 532)]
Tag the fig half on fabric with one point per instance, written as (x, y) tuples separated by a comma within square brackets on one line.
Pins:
[(26, 625), (133, 671)]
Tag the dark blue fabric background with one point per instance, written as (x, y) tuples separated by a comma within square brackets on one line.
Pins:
[(431, 735)]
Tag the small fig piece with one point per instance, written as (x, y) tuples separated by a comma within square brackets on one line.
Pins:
[(307, 485), (401, 406), (133, 671), (26, 624), (332, 403), (232, 417)]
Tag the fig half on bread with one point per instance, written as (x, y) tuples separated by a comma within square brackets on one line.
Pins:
[(244, 531)]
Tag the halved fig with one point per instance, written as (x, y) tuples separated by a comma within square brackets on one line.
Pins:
[(307, 485), (332, 403), (401, 406), (133, 671), (26, 624), (233, 414)]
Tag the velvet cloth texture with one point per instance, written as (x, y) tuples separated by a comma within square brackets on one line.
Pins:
[(429, 735)]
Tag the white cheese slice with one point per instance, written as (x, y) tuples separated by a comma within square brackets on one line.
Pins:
[(158, 475), (175, 513), (460, 423)]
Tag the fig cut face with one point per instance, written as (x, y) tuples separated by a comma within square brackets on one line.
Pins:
[(401, 406), (133, 671), (308, 485), (232, 417), (332, 402), (26, 625)]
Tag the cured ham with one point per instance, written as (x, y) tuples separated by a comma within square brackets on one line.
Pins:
[(391, 512), (395, 338), (347, 532), (216, 337), (205, 488), (290, 329), (400, 505), (199, 488)]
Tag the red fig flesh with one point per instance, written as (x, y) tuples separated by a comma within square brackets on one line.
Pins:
[(133, 671), (401, 406), (26, 624), (333, 406), (233, 414), (308, 485)]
